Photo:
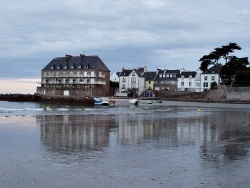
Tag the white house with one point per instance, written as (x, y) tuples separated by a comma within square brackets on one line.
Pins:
[(209, 76), (187, 81), (115, 76), (131, 82)]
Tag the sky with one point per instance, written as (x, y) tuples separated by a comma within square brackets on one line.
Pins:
[(158, 34)]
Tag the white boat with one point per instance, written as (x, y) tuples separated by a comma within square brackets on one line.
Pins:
[(134, 101), (105, 103)]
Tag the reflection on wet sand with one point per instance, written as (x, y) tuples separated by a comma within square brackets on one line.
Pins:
[(220, 136)]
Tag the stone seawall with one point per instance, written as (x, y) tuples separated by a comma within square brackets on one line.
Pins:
[(77, 101), (222, 94), (229, 94)]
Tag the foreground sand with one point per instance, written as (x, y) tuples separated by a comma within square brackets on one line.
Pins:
[(159, 145)]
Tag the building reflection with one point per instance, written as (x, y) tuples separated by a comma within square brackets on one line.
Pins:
[(209, 134)]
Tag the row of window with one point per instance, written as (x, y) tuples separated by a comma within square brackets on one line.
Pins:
[(72, 74)]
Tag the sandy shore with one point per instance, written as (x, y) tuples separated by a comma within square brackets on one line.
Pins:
[(161, 145)]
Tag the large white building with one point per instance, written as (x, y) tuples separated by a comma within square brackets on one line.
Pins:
[(131, 82)]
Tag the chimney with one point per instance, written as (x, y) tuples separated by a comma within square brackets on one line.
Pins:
[(67, 57), (82, 56)]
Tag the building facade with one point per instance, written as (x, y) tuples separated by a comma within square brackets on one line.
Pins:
[(166, 80), (188, 81), (210, 76), (131, 82), (75, 76)]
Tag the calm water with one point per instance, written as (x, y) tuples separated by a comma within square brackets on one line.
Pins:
[(160, 145)]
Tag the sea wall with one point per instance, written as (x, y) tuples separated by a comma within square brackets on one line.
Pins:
[(77, 101)]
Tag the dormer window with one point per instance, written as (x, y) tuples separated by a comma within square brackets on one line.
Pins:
[(133, 73)]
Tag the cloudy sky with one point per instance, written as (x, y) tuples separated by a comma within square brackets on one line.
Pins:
[(169, 34)]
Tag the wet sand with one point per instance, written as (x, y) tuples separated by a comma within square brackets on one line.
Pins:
[(161, 145)]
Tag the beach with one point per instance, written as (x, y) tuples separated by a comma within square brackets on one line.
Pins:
[(169, 144)]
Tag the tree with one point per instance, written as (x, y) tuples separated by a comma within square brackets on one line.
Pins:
[(232, 67), (218, 53)]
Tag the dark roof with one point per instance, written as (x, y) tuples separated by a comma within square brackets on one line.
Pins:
[(118, 73), (213, 70), (149, 76), (125, 72), (76, 62), (186, 74)]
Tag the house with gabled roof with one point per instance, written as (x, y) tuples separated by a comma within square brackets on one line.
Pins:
[(209, 76), (75, 76), (189, 81), (149, 83), (131, 82), (115, 76)]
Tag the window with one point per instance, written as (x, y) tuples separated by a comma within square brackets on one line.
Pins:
[(205, 84), (205, 77), (182, 84), (213, 78), (124, 79), (133, 80), (133, 73), (123, 86), (190, 84)]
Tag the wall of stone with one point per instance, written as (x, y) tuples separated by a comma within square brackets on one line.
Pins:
[(229, 94), (238, 93)]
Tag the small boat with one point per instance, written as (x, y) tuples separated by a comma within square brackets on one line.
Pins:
[(98, 101), (111, 101), (134, 101), (105, 103), (150, 102)]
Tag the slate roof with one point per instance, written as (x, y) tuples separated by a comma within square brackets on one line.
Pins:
[(150, 76), (76, 63), (214, 69), (125, 72), (187, 73)]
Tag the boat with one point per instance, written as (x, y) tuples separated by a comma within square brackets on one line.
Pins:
[(134, 101), (111, 101), (98, 101)]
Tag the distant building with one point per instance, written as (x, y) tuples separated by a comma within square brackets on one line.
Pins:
[(75, 76), (209, 76), (188, 81), (166, 80), (131, 82), (149, 84), (115, 76)]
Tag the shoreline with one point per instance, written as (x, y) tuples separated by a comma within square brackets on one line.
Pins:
[(89, 101)]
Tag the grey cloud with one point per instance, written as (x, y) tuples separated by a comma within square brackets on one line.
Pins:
[(155, 33)]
